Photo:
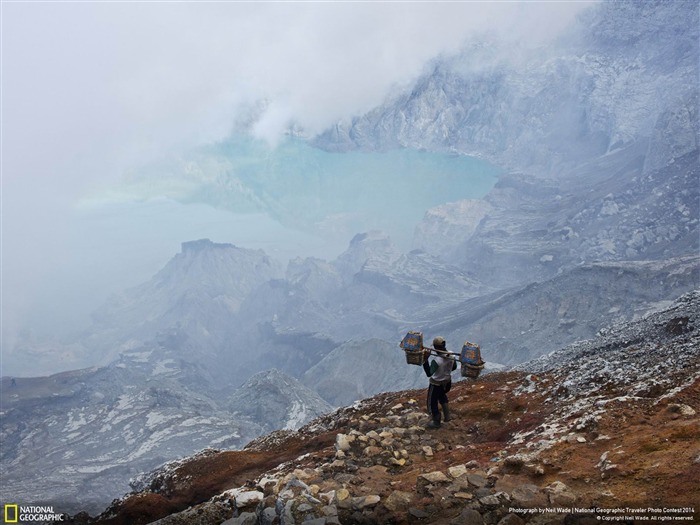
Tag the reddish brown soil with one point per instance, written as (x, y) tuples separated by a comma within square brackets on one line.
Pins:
[(653, 447)]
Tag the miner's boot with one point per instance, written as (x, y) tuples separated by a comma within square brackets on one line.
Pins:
[(435, 423), (446, 413)]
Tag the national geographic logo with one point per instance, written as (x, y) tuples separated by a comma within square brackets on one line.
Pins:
[(31, 514), (11, 513)]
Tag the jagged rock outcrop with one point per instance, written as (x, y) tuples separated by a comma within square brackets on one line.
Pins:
[(522, 323), (374, 248), (196, 293), (364, 293), (608, 210), (592, 92), (74, 439), (275, 400), (444, 228)]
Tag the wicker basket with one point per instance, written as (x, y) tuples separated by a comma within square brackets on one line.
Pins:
[(471, 371), (412, 345), (472, 364), (414, 358)]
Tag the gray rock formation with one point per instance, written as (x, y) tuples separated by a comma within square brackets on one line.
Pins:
[(196, 295), (591, 93), (76, 439), (521, 324), (606, 210), (275, 400), (360, 369)]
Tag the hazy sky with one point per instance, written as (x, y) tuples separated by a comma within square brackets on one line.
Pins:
[(92, 89)]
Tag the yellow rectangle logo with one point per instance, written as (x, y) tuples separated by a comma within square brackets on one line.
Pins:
[(11, 514)]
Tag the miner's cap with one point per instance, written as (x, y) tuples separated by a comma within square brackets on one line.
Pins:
[(439, 343)]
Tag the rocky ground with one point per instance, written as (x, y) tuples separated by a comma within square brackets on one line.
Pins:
[(607, 430)]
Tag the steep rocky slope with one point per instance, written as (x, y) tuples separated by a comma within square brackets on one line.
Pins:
[(605, 210), (362, 293), (359, 369), (604, 428), (522, 323), (277, 401), (197, 292), (75, 439), (593, 92), (418, 291)]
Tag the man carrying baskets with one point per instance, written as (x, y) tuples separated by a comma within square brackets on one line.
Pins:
[(439, 370)]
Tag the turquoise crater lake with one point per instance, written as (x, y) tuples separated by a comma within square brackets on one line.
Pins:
[(332, 195)]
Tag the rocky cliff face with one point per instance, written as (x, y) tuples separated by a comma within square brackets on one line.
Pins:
[(605, 424), (446, 228), (589, 94), (364, 293), (197, 294), (607, 210), (420, 292), (75, 439), (521, 324), (277, 401), (372, 247)]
